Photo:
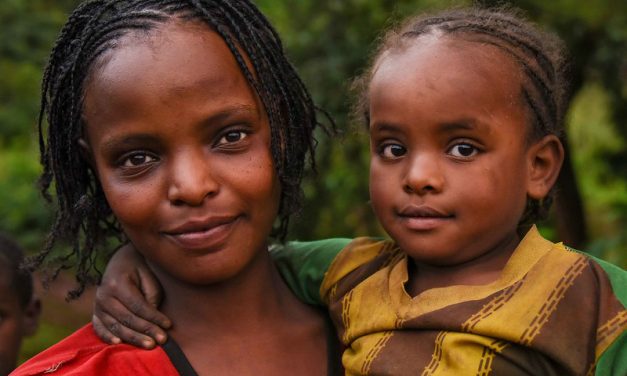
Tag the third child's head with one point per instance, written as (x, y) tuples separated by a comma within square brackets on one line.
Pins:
[(465, 110), (19, 306), (185, 121)]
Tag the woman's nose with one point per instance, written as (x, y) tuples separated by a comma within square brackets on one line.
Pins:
[(191, 179)]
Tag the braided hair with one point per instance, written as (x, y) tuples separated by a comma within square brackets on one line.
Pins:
[(538, 54), (83, 216)]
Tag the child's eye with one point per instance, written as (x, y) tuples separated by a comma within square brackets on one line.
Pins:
[(392, 151), (463, 150), (231, 137), (138, 159)]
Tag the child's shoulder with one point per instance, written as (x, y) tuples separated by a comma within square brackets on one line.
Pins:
[(83, 353), (537, 256), (615, 275), (360, 258)]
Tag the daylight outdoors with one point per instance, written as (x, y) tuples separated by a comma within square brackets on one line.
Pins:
[(329, 43)]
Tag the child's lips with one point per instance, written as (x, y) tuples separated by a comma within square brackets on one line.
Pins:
[(423, 217)]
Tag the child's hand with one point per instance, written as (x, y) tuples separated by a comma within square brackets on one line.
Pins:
[(126, 301)]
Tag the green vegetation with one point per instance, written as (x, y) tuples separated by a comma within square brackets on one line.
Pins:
[(329, 43)]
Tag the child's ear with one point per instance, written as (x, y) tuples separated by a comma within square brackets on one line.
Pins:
[(545, 159), (86, 151), (31, 316)]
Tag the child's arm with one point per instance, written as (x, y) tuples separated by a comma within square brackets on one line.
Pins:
[(126, 300), (304, 264)]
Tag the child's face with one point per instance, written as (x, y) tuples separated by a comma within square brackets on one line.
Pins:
[(449, 165), (10, 326), (16, 322), (181, 145)]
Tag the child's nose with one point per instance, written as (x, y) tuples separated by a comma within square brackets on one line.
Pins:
[(424, 175), (191, 179)]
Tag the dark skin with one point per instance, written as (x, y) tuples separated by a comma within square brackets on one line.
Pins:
[(182, 152)]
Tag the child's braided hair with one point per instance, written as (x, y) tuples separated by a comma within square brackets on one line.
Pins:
[(539, 55)]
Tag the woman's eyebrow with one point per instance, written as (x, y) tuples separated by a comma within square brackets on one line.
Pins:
[(232, 111), (129, 140)]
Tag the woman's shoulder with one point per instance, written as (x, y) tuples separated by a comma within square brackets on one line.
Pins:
[(83, 353)]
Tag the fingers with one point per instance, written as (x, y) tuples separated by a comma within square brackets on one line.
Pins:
[(125, 313), (151, 290), (146, 319), (105, 334), (113, 332)]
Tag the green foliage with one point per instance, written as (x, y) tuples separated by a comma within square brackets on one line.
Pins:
[(593, 135), (23, 214), (27, 33)]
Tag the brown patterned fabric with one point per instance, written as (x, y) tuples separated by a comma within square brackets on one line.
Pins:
[(552, 312)]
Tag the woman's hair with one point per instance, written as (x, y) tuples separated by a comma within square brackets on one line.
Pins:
[(11, 258), (538, 54), (83, 216)]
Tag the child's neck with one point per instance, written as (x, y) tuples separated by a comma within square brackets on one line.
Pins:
[(481, 270)]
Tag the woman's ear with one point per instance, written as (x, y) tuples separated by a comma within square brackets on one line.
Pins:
[(545, 158), (86, 152)]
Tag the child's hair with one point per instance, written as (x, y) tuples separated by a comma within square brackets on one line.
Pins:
[(540, 56), (93, 29), (11, 258)]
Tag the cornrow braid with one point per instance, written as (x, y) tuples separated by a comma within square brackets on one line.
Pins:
[(83, 217), (539, 55)]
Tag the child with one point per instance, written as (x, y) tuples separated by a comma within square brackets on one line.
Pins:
[(182, 125), (465, 111), (19, 306)]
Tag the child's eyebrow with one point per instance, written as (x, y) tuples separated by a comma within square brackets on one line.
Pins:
[(461, 124), (383, 127)]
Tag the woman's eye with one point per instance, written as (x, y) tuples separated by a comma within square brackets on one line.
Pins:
[(392, 151), (138, 159), (463, 151), (231, 137)]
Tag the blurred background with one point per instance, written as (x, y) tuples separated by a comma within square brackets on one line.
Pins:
[(329, 42)]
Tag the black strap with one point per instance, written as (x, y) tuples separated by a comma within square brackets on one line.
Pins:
[(334, 352), (178, 358)]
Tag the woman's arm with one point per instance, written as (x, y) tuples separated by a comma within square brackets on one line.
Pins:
[(126, 300)]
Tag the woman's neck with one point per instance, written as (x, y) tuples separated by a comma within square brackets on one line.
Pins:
[(251, 324), (253, 296)]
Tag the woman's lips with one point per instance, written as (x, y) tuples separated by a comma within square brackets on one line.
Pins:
[(202, 234)]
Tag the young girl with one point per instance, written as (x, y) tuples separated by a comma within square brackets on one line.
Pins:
[(465, 111), (182, 125)]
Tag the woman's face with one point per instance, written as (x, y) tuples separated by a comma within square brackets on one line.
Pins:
[(181, 146)]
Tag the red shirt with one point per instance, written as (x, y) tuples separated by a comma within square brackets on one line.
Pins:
[(83, 353)]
